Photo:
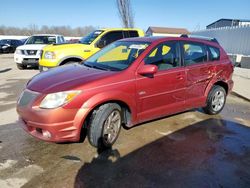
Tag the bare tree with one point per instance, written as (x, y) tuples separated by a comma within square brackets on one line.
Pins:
[(34, 29), (125, 13)]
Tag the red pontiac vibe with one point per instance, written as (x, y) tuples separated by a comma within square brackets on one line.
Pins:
[(128, 82)]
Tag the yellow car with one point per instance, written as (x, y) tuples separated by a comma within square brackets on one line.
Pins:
[(61, 54)]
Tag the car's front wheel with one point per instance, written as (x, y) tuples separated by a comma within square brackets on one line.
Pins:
[(216, 100), (105, 124)]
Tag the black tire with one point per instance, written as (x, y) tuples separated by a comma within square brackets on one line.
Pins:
[(98, 120), (21, 66), (211, 108), (40, 68)]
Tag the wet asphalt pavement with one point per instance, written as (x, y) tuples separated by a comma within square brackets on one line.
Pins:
[(190, 149)]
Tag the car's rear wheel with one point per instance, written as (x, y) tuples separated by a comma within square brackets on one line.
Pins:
[(105, 125), (21, 66), (216, 100)]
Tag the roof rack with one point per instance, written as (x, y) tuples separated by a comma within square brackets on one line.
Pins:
[(200, 37)]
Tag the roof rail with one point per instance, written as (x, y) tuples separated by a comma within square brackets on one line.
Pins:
[(200, 37)]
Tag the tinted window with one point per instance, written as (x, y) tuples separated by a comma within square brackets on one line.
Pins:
[(164, 56), (133, 34), (214, 53), (112, 36), (194, 53)]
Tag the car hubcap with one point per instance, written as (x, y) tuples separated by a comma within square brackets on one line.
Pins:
[(111, 127), (218, 101)]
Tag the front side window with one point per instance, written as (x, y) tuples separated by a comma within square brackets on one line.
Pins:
[(117, 56), (214, 53), (111, 37), (164, 56), (194, 53), (41, 40)]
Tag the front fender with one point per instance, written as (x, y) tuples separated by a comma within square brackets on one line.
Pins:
[(110, 96)]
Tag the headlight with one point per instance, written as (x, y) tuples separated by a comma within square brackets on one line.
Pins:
[(49, 55), (55, 100), (18, 51), (4, 47)]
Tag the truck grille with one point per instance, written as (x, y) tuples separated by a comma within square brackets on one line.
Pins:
[(30, 52), (27, 97)]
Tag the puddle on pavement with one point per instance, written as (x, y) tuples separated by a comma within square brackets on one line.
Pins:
[(213, 153)]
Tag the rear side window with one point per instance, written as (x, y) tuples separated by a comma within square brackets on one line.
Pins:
[(133, 34), (130, 34), (194, 53), (214, 53)]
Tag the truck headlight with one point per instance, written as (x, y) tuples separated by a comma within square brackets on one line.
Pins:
[(49, 55), (18, 52), (55, 100)]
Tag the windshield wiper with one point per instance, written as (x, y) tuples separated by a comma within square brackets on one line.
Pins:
[(95, 67)]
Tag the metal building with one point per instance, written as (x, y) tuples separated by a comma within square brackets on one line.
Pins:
[(228, 23), (235, 40)]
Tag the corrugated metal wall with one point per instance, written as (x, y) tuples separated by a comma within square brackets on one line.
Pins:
[(235, 40)]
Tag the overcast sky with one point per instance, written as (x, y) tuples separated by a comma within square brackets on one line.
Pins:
[(190, 14)]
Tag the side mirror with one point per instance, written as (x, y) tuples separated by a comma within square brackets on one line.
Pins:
[(148, 70), (101, 43)]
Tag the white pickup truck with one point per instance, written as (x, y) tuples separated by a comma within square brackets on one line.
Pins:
[(30, 52)]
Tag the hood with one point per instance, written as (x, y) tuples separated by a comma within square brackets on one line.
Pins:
[(31, 47), (55, 47), (65, 78)]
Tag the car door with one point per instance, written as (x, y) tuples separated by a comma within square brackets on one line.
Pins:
[(199, 72), (164, 92)]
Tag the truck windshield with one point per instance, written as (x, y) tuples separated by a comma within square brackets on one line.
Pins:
[(117, 56), (41, 40), (88, 39)]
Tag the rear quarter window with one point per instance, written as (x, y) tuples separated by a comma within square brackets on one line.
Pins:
[(214, 53), (133, 34)]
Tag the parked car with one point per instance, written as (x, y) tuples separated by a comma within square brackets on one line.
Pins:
[(30, 52), (9, 45), (57, 55), (128, 82)]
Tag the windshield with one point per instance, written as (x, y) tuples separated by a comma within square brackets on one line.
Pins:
[(90, 37), (116, 56), (41, 40)]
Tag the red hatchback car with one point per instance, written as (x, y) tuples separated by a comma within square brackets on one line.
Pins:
[(128, 82)]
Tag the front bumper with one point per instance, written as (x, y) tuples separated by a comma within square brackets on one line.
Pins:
[(26, 60), (52, 125), (50, 63), (54, 132)]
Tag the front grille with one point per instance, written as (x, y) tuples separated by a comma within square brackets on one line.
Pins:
[(27, 97), (31, 52)]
